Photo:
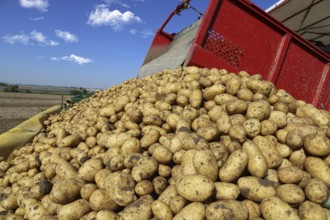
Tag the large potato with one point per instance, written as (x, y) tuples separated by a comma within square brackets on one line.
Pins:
[(227, 209), (257, 164), (193, 211), (274, 208), (195, 188), (73, 210), (206, 164), (317, 144), (268, 149), (256, 189), (290, 174), (291, 194), (161, 210), (140, 209), (317, 168), (310, 210), (316, 191), (234, 166), (226, 191)]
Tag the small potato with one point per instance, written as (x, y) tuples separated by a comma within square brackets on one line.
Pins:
[(50, 206), (140, 209), (162, 154), (237, 119), (215, 112), (161, 210), (210, 92), (164, 171), (238, 133), (268, 127), (316, 191), (100, 200), (245, 94), (291, 194), (65, 169), (87, 190), (100, 177), (144, 168), (65, 191), (226, 191), (120, 187), (294, 139), (168, 194), (106, 214), (195, 188), (234, 166), (177, 203), (150, 138), (283, 149), (256, 189), (131, 145), (236, 107), (224, 123), (34, 209), (233, 85), (310, 210), (159, 184), (279, 118), (209, 133), (257, 164), (317, 168), (196, 98), (273, 208), (70, 141), (193, 211), (317, 144), (297, 158), (144, 187), (206, 164), (253, 207), (290, 175), (268, 149), (89, 169), (74, 210), (259, 110), (252, 127), (227, 209)]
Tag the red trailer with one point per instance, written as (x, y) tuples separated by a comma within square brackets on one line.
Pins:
[(238, 35)]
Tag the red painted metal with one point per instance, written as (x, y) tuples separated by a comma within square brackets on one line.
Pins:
[(237, 35)]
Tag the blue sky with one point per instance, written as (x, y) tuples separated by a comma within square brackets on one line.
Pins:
[(82, 43)]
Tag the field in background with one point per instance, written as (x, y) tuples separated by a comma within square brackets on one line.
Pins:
[(17, 107)]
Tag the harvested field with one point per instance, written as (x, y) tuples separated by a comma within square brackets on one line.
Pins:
[(17, 107)]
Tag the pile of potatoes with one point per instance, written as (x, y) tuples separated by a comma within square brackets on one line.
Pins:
[(190, 143)]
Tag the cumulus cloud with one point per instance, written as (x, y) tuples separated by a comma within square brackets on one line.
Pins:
[(33, 38), (16, 38), (41, 5), (41, 39), (37, 18), (66, 36), (102, 16), (73, 58)]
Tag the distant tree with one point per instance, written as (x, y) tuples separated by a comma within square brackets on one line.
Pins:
[(84, 91), (13, 88), (3, 84), (28, 91)]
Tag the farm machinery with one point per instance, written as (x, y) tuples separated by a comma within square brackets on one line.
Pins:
[(237, 35)]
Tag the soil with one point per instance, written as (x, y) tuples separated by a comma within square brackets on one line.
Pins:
[(17, 107)]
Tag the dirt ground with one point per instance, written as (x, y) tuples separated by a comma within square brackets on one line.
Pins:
[(17, 107)]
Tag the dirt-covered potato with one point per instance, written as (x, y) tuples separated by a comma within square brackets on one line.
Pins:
[(273, 208), (317, 144), (316, 191), (227, 209), (253, 207), (317, 168), (234, 166), (256, 189), (144, 168), (257, 165), (227, 191), (161, 210), (65, 191), (311, 210), (194, 210), (291, 194), (268, 149)]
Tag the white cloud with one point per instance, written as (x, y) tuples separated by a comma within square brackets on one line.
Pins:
[(133, 31), (37, 18), (16, 38), (102, 16), (66, 36), (125, 5), (41, 39), (117, 2), (146, 33), (73, 58), (41, 5)]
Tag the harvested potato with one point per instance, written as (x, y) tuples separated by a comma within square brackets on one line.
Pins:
[(64, 195), (205, 163), (234, 166), (268, 149), (100, 200), (256, 189), (226, 191), (310, 210), (161, 210), (290, 174), (291, 194), (227, 209), (317, 168), (257, 164), (140, 209), (316, 191), (193, 211), (273, 208), (317, 144), (73, 210), (253, 207), (144, 187)]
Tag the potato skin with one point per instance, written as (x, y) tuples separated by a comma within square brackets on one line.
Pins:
[(257, 164), (253, 207), (64, 195), (291, 194), (268, 149), (227, 209), (161, 210), (273, 208), (193, 211), (310, 210), (228, 191), (234, 166), (316, 191), (256, 189), (290, 174), (317, 168), (195, 188), (206, 164), (317, 144), (73, 210)]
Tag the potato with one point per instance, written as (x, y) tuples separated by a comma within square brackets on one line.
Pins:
[(160, 184), (223, 123), (259, 110), (234, 166), (144, 187), (268, 127), (268, 149), (310, 210), (131, 145), (279, 118), (257, 164), (273, 208), (254, 210), (233, 85), (238, 133), (291, 194), (236, 107), (140, 209), (168, 194), (290, 175), (106, 214), (162, 154), (283, 149), (209, 133), (317, 144), (120, 187), (144, 168), (177, 203), (193, 211), (317, 168), (294, 139), (34, 209), (226, 191), (50, 206), (195, 188), (227, 209), (100, 200), (89, 169), (210, 92), (70, 141), (161, 210), (252, 127), (65, 191), (256, 189), (206, 164), (149, 138), (316, 191), (65, 169), (164, 171), (195, 98), (73, 210)]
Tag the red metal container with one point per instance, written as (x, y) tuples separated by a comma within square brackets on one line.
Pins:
[(237, 35)]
